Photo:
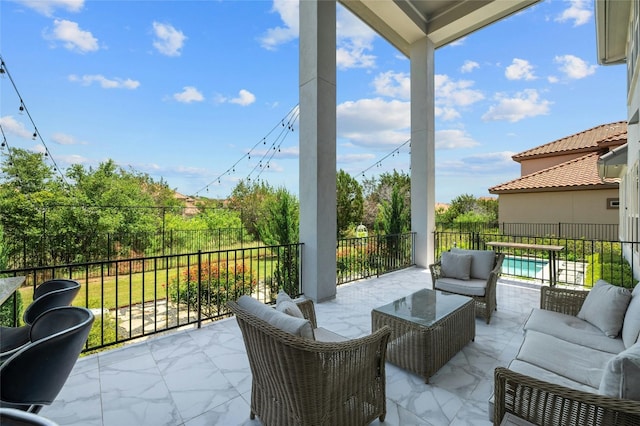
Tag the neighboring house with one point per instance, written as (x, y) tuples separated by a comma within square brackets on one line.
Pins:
[(559, 183), (618, 42), (190, 208)]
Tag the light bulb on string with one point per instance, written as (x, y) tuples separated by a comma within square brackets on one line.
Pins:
[(21, 108), (35, 135)]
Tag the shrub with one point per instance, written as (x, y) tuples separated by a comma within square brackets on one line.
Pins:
[(612, 268), (6, 311), (220, 282)]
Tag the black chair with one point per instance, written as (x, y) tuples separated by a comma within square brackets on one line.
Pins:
[(13, 417), (34, 375), (50, 294)]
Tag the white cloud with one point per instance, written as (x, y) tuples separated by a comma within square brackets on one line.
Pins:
[(354, 38), (354, 158), (451, 94), (244, 98), (374, 122), (11, 125), (63, 139), (579, 12), (553, 79), (469, 66), (189, 94), (520, 69), (454, 139), (73, 159), (479, 164), (47, 7), (288, 11), (105, 83), (393, 85), (522, 105), (574, 67), (72, 37), (169, 41)]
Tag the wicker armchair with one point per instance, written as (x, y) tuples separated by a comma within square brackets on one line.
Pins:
[(544, 403), (298, 381), (485, 304)]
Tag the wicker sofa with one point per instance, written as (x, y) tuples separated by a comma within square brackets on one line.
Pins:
[(574, 367), (303, 381), (473, 273)]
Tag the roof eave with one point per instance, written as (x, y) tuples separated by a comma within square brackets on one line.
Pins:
[(612, 23), (402, 24)]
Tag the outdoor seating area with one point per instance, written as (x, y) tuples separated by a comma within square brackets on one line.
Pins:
[(471, 273), (203, 377)]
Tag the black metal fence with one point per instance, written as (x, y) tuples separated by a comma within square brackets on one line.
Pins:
[(589, 231), (67, 247), (137, 297), (141, 296), (359, 258)]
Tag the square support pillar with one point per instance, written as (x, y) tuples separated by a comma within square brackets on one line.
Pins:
[(423, 176), (318, 220)]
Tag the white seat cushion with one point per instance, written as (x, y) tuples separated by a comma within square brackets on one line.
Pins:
[(575, 362), (466, 287), (532, 370), (572, 329), (324, 335)]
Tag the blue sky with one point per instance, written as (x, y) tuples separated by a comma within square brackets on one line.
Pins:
[(197, 92)]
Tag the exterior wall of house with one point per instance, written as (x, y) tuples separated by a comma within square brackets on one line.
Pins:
[(588, 206), (533, 165), (630, 187)]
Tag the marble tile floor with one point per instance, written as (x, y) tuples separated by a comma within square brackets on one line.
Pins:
[(201, 376)]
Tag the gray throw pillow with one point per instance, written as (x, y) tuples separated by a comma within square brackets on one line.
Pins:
[(285, 304), (621, 375), (482, 262), (605, 307), (455, 265), (631, 323)]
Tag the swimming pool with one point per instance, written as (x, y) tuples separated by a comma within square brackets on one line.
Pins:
[(522, 266)]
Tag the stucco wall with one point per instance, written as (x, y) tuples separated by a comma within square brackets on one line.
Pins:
[(562, 206), (533, 165)]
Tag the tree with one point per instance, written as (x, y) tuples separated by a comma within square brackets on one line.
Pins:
[(395, 216), (378, 191), (279, 225), (247, 198), (349, 202)]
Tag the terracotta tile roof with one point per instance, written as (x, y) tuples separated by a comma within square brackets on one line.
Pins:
[(606, 135), (579, 173)]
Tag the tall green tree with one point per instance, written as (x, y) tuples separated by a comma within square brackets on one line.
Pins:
[(247, 198), (279, 224), (349, 203), (395, 215)]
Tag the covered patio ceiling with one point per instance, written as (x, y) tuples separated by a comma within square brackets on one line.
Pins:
[(402, 23)]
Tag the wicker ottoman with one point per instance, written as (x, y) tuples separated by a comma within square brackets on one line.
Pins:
[(428, 328)]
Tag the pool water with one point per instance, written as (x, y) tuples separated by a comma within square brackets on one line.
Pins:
[(523, 267)]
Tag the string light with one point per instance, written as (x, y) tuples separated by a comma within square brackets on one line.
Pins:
[(22, 109), (286, 126), (395, 151)]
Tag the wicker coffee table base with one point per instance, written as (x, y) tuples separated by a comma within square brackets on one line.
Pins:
[(425, 349)]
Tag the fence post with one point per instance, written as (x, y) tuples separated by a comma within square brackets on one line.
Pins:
[(199, 288)]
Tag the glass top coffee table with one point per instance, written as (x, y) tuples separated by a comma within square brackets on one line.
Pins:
[(428, 328)]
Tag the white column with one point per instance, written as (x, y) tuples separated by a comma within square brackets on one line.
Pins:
[(423, 188), (318, 148)]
